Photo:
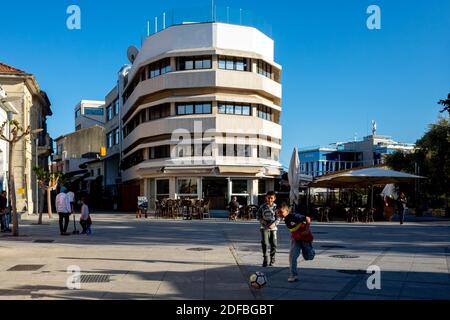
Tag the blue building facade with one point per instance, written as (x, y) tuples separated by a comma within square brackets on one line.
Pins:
[(321, 160)]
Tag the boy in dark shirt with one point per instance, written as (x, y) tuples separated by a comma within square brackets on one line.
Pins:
[(301, 238)]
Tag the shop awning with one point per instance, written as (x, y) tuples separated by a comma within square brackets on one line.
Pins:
[(187, 170), (240, 170)]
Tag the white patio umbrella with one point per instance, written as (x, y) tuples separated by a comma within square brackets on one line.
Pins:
[(294, 178), (390, 190), (367, 177)]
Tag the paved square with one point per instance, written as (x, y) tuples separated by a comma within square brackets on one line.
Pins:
[(212, 259)]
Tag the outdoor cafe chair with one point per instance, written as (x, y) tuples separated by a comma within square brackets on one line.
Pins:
[(348, 214), (158, 209), (355, 213), (370, 215), (197, 209), (186, 206), (205, 209), (249, 212), (171, 207)]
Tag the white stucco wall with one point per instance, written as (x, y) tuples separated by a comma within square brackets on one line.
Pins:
[(205, 36)]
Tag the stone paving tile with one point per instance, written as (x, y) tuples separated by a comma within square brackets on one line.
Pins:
[(149, 260), (426, 291)]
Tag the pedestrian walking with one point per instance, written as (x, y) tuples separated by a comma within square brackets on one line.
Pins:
[(402, 207), (64, 210), (269, 221)]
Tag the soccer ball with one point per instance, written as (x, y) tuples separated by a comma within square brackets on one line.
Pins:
[(258, 280)]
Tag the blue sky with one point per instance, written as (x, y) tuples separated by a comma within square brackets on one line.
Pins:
[(337, 77)]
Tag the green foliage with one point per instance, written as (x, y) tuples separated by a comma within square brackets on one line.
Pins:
[(446, 104), (46, 178), (432, 157)]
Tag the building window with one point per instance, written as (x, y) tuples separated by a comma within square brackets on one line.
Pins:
[(239, 187), (159, 68), (109, 113), (109, 140), (265, 152), (265, 69), (133, 160), (113, 138), (194, 63), (99, 172), (187, 187), (116, 107), (59, 149), (149, 114), (94, 111), (235, 108), (159, 111), (265, 113), (194, 108), (78, 113), (117, 136), (159, 152), (235, 150), (234, 63), (162, 189)]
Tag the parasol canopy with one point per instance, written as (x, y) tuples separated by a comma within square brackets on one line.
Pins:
[(363, 178), (294, 177)]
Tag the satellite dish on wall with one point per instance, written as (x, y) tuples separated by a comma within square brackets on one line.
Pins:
[(132, 53)]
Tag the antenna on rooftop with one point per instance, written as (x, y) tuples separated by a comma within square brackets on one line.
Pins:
[(156, 24), (148, 28), (164, 20)]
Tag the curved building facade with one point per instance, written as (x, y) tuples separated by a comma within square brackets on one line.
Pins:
[(200, 111)]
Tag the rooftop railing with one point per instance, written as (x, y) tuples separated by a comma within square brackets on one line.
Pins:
[(206, 14)]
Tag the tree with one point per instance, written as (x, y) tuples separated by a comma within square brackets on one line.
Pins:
[(446, 104), (16, 133), (432, 156), (48, 181)]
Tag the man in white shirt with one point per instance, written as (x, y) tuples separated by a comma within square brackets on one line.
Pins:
[(64, 210)]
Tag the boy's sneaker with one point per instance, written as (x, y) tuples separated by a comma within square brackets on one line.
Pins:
[(272, 262), (293, 279), (264, 263)]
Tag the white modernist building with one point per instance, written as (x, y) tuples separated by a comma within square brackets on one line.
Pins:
[(200, 109), (89, 113)]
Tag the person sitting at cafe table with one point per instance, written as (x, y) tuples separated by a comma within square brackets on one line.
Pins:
[(234, 207)]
